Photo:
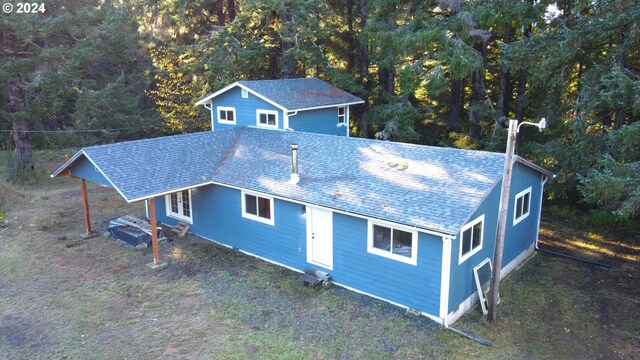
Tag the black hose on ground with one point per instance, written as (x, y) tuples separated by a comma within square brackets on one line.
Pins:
[(576, 258)]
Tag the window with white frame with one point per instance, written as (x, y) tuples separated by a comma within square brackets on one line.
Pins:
[(342, 115), (393, 242), (226, 115), (522, 205), (245, 93), (471, 236), (179, 205), (256, 207), (267, 118)]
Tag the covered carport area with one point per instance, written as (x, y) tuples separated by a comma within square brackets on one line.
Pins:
[(81, 167)]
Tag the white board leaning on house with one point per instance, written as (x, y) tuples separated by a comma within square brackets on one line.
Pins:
[(482, 273)]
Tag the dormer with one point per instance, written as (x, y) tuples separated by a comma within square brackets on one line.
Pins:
[(306, 104)]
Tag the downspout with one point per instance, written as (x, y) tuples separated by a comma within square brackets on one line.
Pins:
[(212, 115), (544, 180), (286, 119)]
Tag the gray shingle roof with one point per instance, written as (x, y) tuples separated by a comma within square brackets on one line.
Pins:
[(438, 189), (295, 94)]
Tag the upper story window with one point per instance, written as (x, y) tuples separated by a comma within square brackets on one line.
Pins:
[(267, 118), (245, 93), (343, 115), (471, 236), (522, 205), (392, 242), (226, 115), (257, 208), (178, 205)]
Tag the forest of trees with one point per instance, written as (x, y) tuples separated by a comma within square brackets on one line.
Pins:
[(446, 73)]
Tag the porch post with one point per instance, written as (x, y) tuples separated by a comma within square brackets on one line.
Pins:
[(154, 231), (85, 203)]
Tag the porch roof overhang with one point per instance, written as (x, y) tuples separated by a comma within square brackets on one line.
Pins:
[(144, 169)]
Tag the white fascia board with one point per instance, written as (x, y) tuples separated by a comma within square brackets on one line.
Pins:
[(330, 106), (66, 164), (145, 197), (426, 231), (207, 99)]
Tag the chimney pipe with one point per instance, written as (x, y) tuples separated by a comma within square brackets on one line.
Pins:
[(295, 178)]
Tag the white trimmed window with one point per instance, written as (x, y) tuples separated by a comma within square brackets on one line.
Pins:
[(245, 93), (226, 115), (393, 242), (343, 117), (178, 205), (258, 208), (522, 205), (267, 118), (471, 236)]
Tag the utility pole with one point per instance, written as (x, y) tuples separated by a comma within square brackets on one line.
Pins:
[(502, 214)]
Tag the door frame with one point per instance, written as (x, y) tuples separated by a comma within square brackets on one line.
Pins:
[(180, 215), (310, 210)]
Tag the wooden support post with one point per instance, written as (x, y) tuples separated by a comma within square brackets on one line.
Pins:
[(85, 203), (154, 232)]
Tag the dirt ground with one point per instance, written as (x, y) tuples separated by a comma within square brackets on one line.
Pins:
[(62, 297)]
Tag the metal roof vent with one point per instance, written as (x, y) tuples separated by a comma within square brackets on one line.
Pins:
[(295, 178)]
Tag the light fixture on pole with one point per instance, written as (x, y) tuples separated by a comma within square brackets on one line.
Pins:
[(514, 128)]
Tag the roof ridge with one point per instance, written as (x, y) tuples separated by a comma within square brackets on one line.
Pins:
[(385, 142), (148, 139)]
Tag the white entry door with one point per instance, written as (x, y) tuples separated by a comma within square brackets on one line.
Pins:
[(320, 237)]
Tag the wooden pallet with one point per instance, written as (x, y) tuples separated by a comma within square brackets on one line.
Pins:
[(181, 229), (137, 223)]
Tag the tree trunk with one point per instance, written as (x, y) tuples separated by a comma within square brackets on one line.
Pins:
[(17, 103), (477, 107), (521, 96), (457, 104), (364, 70), (289, 64), (350, 38), (220, 12), (506, 91), (231, 9)]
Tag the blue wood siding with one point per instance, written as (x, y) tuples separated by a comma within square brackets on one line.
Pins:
[(520, 236), (415, 286), (245, 109), (83, 168), (517, 239), (322, 121), (217, 216)]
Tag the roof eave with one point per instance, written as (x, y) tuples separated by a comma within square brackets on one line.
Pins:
[(329, 106), (207, 99), (533, 166)]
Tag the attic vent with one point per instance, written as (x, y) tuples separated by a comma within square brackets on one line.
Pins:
[(245, 93)]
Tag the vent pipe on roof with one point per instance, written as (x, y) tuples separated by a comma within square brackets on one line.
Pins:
[(295, 178)]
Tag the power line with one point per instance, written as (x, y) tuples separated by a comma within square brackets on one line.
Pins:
[(77, 130)]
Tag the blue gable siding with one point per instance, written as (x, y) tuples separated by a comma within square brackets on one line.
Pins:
[(323, 121), (217, 216), (245, 109), (520, 236), (83, 168), (517, 239)]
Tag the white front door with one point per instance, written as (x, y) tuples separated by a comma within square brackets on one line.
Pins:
[(320, 237)]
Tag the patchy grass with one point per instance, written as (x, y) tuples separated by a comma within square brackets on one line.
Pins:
[(63, 297)]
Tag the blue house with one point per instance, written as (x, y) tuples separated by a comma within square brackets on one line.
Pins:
[(305, 104), (400, 222)]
